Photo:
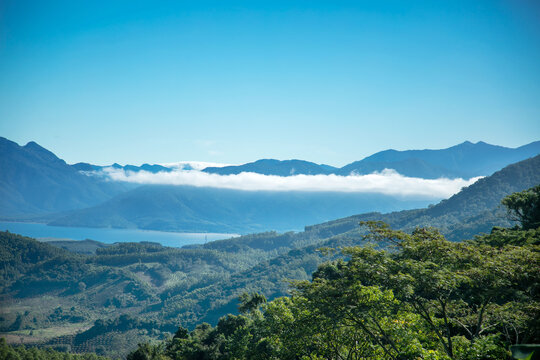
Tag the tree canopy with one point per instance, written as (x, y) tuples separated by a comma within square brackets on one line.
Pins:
[(524, 207)]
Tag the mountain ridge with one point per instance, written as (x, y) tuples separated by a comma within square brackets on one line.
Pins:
[(34, 181), (464, 160)]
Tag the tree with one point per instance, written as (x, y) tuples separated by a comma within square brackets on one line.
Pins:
[(147, 351), (524, 207), (250, 302)]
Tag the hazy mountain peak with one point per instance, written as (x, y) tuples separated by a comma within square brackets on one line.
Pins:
[(465, 160), (41, 152), (35, 181), (274, 167)]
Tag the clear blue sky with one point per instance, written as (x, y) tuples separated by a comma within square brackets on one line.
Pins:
[(234, 81)]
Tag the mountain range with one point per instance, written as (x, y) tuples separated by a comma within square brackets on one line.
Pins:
[(37, 185), (465, 160), (473, 210), (86, 167)]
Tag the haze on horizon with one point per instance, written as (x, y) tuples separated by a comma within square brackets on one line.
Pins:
[(232, 82)]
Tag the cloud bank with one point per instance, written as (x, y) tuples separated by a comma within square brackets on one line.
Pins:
[(387, 182), (193, 165)]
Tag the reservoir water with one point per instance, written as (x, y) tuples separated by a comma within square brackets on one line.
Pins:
[(110, 236)]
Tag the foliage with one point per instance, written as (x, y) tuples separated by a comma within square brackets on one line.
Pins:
[(422, 297), (525, 207), (9, 352)]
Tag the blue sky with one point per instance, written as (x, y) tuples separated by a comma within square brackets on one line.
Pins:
[(235, 81)]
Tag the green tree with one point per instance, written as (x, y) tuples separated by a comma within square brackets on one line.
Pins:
[(524, 207), (250, 302)]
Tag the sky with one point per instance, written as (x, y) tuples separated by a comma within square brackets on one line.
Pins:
[(236, 81)]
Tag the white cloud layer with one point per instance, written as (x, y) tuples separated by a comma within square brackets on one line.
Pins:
[(195, 165), (387, 182)]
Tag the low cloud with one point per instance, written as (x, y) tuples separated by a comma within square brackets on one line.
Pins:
[(387, 182), (193, 165)]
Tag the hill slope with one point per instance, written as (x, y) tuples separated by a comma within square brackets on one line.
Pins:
[(195, 209), (474, 209)]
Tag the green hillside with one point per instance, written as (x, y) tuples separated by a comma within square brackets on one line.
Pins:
[(419, 296)]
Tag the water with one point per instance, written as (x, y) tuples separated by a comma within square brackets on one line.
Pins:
[(109, 236)]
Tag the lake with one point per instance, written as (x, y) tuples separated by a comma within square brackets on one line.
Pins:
[(110, 236)]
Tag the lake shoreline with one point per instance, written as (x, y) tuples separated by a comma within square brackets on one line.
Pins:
[(110, 235)]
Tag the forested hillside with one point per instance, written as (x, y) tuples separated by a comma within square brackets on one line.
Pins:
[(110, 300), (403, 296)]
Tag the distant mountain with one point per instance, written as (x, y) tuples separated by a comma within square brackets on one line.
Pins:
[(196, 209), (474, 209), (144, 167), (275, 167), (34, 181), (411, 167), (465, 160), (82, 166)]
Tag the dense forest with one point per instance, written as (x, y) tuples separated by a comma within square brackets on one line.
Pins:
[(8, 352)]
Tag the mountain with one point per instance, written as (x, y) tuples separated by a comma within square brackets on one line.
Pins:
[(474, 209), (275, 167), (81, 166), (33, 181), (465, 160), (412, 167), (198, 209)]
